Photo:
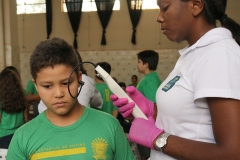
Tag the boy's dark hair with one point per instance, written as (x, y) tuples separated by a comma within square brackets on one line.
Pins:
[(52, 52), (149, 56), (106, 66), (122, 84), (12, 97)]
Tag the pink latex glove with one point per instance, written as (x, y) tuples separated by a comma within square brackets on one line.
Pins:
[(126, 108), (144, 132)]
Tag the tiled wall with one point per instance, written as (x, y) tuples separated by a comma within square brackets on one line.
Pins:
[(124, 63)]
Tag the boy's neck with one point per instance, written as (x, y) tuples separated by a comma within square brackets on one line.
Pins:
[(67, 119), (99, 80), (147, 71)]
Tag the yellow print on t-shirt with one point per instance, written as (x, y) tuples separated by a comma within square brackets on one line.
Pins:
[(59, 151), (107, 94), (99, 147)]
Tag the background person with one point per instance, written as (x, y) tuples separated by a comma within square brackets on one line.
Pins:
[(105, 92), (13, 112), (134, 80), (66, 130)]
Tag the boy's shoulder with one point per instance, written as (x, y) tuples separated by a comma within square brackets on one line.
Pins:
[(151, 76), (32, 123), (101, 86), (100, 115), (90, 116)]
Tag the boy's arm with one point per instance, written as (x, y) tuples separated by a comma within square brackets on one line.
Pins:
[(122, 147), (26, 113), (114, 110), (31, 99), (115, 113)]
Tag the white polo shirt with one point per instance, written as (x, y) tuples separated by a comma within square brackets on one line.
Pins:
[(209, 68)]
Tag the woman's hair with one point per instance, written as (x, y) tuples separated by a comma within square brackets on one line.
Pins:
[(12, 96), (215, 10), (14, 69)]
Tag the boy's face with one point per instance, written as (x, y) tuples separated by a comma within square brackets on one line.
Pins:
[(51, 84), (141, 67)]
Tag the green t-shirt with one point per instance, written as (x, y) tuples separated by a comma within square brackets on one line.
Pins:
[(31, 88), (107, 105), (148, 85), (9, 123), (95, 136)]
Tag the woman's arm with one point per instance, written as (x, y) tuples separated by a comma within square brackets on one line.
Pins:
[(31, 99), (225, 114), (155, 111)]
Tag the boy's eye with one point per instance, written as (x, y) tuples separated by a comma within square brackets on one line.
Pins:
[(66, 83), (47, 86)]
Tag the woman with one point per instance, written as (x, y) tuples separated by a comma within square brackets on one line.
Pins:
[(12, 106), (199, 102)]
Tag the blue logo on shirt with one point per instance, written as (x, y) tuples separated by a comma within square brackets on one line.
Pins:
[(170, 84)]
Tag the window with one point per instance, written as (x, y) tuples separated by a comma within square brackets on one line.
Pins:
[(150, 4), (89, 5), (39, 6), (31, 6)]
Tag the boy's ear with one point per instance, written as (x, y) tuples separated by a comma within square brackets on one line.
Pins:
[(79, 78), (34, 82), (146, 65)]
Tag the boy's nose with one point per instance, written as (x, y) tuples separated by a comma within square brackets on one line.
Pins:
[(59, 92)]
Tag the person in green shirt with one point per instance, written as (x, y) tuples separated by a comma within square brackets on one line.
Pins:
[(66, 129), (30, 92), (12, 106), (105, 92), (147, 64)]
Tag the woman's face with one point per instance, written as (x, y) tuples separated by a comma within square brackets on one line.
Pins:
[(176, 19)]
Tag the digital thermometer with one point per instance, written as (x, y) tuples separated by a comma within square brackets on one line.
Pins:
[(117, 90)]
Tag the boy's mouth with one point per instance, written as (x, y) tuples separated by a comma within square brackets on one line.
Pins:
[(59, 104)]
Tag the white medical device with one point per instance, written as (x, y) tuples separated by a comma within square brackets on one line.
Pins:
[(117, 90)]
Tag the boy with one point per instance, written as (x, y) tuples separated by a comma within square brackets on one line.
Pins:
[(102, 87), (66, 130), (122, 85), (147, 64)]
